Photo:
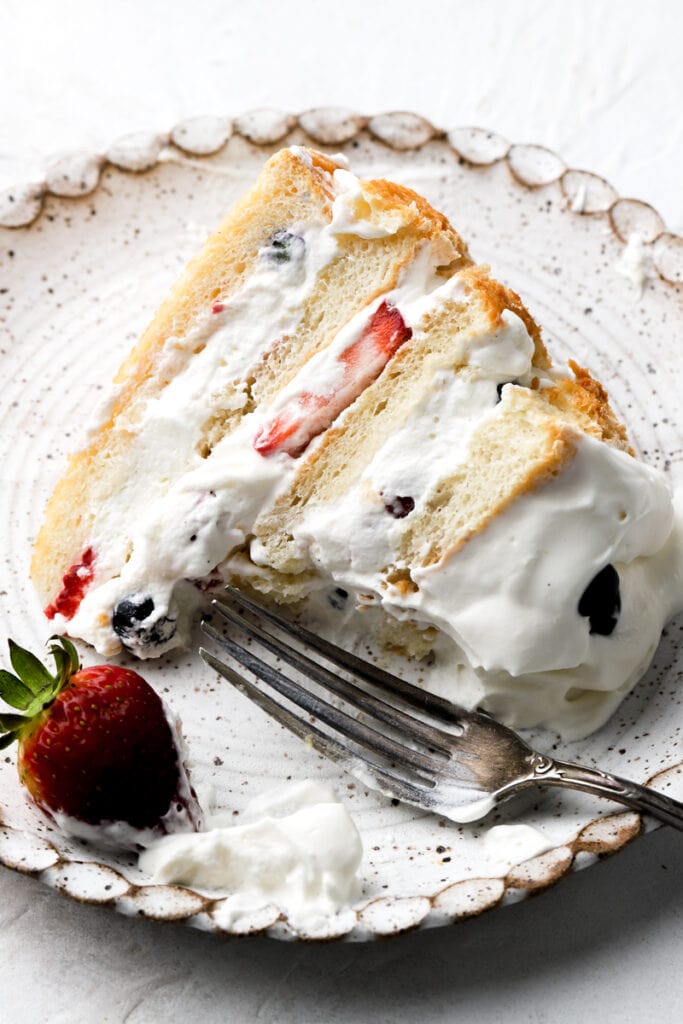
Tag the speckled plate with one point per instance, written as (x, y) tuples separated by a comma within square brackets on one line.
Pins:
[(85, 256)]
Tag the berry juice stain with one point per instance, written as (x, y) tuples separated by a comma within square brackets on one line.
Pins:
[(75, 582)]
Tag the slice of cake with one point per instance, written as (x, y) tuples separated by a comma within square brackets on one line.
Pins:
[(305, 251), (334, 401)]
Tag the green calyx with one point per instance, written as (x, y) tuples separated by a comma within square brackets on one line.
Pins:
[(33, 687)]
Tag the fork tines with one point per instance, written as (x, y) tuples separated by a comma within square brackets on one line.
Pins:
[(389, 761)]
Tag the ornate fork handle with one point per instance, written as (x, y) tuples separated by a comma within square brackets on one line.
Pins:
[(548, 772)]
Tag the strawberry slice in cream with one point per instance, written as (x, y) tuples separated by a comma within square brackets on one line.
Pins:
[(308, 414)]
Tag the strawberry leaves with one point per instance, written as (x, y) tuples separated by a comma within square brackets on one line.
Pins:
[(66, 659), (14, 692), (33, 687), (10, 726), (30, 671)]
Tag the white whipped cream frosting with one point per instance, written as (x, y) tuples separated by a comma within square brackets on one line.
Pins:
[(506, 603), (297, 849), (523, 570), (505, 846)]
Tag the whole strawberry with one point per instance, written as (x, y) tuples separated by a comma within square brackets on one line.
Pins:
[(97, 750)]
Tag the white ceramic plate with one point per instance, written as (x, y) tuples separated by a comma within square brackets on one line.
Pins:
[(86, 255)]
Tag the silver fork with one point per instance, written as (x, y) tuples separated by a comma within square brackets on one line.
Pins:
[(408, 743)]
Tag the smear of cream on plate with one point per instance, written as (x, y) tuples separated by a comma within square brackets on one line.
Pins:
[(508, 845), (298, 849), (635, 262)]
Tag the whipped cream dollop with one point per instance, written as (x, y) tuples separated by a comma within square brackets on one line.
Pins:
[(523, 569), (573, 701), (298, 849), (507, 603), (508, 845)]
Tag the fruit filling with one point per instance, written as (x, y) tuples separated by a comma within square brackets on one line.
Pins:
[(304, 417), (75, 582)]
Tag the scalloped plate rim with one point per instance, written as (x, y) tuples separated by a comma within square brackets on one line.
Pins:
[(161, 141)]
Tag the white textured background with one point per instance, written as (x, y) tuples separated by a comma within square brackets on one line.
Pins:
[(602, 83), (599, 81)]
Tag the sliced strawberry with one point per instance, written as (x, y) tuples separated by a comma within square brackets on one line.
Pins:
[(95, 744), (380, 340), (304, 417), (75, 582)]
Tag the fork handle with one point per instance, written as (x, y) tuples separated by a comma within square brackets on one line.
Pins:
[(549, 772)]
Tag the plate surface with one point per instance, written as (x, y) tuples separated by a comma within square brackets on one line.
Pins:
[(85, 257)]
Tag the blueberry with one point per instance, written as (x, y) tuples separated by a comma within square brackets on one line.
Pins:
[(282, 247), (601, 602), (399, 507), (338, 598), (134, 623)]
